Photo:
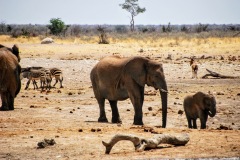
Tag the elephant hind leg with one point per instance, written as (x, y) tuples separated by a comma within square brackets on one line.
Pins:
[(115, 113), (203, 121), (4, 102), (101, 103), (10, 101), (189, 122), (194, 123)]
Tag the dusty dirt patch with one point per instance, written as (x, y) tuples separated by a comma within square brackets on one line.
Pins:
[(69, 115)]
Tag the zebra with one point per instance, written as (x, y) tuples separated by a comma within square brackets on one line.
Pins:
[(48, 78), (41, 74), (57, 73)]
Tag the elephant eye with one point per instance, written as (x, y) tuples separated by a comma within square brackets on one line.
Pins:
[(156, 76)]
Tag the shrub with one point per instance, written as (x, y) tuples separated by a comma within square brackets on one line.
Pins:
[(201, 28), (168, 28), (57, 26)]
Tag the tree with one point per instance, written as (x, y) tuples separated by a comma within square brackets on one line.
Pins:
[(133, 8), (167, 29), (57, 26)]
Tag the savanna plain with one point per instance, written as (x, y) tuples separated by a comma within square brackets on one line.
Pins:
[(69, 115)]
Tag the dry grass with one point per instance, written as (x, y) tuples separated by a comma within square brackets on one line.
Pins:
[(61, 115), (130, 39), (123, 44)]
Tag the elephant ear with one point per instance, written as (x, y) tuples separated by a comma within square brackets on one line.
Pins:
[(207, 101), (200, 99), (15, 51), (136, 69)]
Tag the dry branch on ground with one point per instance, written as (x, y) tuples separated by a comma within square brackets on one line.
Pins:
[(217, 75), (141, 144)]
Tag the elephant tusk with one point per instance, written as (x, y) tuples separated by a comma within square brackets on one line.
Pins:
[(163, 90)]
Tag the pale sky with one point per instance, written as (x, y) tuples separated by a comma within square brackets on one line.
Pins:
[(109, 12)]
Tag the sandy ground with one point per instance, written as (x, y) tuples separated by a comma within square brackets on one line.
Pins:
[(69, 115)]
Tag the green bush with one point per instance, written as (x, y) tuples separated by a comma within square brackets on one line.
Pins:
[(57, 26)]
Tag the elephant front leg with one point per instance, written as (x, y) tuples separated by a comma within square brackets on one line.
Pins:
[(203, 120), (138, 116), (115, 113), (102, 117), (137, 98)]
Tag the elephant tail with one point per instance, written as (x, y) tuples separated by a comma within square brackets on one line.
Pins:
[(18, 79)]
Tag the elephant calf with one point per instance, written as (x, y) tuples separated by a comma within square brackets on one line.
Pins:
[(199, 105)]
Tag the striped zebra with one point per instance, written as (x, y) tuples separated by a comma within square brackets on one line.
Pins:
[(57, 73), (48, 78), (42, 74)]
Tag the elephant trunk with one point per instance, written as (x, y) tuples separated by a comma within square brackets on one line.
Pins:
[(164, 97), (212, 112)]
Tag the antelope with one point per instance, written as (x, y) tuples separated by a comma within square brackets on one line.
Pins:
[(194, 67)]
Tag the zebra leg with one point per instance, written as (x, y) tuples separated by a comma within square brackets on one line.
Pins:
[(35, 84), (42, 84), (49, 83), (27, 84), (55, 82), (61, 80)]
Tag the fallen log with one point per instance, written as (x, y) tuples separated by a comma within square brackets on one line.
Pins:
[(217, 75), (142, 144)]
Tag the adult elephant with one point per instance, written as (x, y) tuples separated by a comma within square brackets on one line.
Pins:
[(199, 105), (116, 78), (10, 83)]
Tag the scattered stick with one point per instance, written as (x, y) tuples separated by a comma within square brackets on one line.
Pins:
[(217, 75), (142, 144)]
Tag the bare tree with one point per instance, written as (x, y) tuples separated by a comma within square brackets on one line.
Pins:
[(133, 8)]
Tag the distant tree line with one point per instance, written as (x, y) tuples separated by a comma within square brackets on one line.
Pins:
[(30, 30)]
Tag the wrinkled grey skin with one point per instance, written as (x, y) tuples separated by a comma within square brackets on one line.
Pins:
[(10, 83), (115, 78), (199, 105)]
